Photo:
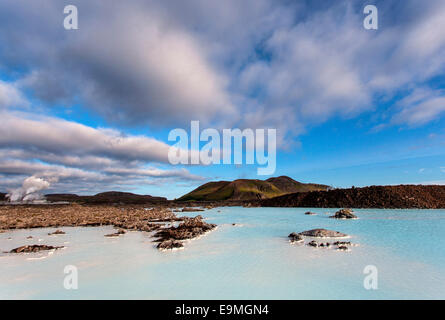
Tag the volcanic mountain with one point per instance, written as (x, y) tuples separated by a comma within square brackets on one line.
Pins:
[(249, 189)]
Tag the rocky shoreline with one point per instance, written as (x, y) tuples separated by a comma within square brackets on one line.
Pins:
[(123, 218)]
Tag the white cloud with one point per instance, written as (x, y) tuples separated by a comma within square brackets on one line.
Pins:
[(10, 96), (75, 156), (61, 136), (420, 107)]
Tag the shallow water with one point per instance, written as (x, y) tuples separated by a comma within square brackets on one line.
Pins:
[(251, 260)]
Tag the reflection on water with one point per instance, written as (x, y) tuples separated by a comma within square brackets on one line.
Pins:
[(249, 260)]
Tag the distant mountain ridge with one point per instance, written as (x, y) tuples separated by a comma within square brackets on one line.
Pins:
[(105, 197), (249, 189)]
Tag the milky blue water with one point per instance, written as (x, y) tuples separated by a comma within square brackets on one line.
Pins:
[(251, 260)]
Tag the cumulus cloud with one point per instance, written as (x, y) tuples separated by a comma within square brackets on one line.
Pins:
[(75, 156), (60, 136), (253, 63), (127, 61), (173, 61)]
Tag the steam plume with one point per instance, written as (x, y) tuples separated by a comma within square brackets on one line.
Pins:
[(30, 190)]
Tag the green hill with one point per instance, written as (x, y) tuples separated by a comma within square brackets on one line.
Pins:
[(249, 189)]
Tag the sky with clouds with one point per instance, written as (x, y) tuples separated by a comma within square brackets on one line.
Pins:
[(90, 109)]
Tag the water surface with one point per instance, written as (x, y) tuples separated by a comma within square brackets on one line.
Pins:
[(251, 260)]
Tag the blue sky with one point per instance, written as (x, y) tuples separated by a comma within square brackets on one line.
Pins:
[(90, 110)]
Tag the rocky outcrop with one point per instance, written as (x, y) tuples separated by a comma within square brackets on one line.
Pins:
[(33, 248), (189, 229), (169, 245), (340, 245), (344, 214), (322, 233), (56, 232), (116, 234), (188, 209), (313, 243), (295, 237)]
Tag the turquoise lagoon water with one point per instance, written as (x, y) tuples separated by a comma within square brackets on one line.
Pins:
[(251, 260)]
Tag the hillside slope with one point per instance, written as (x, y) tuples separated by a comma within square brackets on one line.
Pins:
[(249, 189), (402, 196)]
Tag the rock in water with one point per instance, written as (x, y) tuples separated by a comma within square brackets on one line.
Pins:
[(116, 234), (170, 244), (188, 209), (344, 214), (33, 248), (313, 244), (342, 243), (309, 213), (295, 237), (189, 229), (322, 233), (56, 232)]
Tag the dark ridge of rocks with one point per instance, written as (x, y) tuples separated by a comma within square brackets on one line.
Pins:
[(342, 243), (138, 226), (2, 196), (189, 229), (339, 244), (402, 196), (33, 248), (116, 234), (322, 233), (191, 209), (309, 213), (56, 232), (313, 243), (344, 214), (29, 237), (109, 197), (169, 245)]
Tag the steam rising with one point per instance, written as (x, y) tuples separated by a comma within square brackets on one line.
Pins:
[(30, 190)]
